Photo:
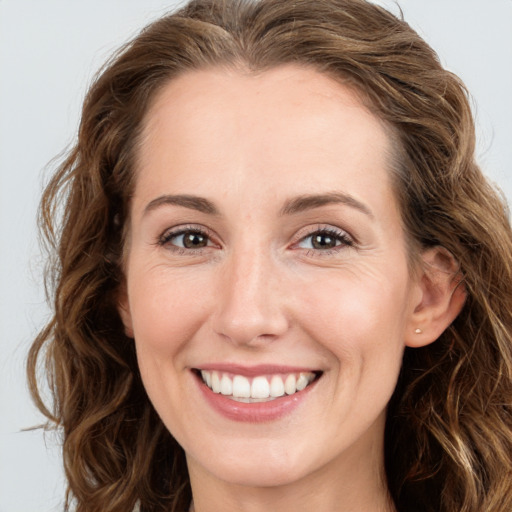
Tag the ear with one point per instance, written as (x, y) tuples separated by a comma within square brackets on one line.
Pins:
[(123, 307), (440, 299)]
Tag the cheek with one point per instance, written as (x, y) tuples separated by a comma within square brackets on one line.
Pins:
[(360, 321), (355, 309), (166, 311)]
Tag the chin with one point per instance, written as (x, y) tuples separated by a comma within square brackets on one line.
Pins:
[(260, 475), (256, 467)]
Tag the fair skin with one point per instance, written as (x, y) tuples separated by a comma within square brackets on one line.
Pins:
[(233, 267)]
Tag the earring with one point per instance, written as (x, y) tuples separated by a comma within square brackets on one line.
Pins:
[(418, 331)]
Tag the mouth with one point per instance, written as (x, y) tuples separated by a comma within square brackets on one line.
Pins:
[(259, 388)]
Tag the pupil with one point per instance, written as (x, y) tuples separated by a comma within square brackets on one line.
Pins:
[(194, 240), (323, 242)]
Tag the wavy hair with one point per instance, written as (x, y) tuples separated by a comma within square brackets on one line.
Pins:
[(448, 440)]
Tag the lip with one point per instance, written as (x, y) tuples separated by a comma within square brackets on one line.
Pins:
[(258, 412)]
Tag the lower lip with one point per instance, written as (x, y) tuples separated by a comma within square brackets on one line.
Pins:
[(257, 412)]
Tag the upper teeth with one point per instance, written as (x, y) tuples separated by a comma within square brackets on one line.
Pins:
[(261, 387)]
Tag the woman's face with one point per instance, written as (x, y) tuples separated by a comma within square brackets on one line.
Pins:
[(266, 251)]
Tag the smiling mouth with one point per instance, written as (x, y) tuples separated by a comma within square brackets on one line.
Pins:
[(262, 388)]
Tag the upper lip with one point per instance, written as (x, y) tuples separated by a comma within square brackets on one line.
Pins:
[(254, 371)]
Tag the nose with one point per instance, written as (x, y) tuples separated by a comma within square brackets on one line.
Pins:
[(251, 304)]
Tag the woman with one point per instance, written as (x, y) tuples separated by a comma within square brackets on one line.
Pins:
[(281, 279)]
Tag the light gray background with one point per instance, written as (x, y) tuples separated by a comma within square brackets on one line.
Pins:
[(49, 51)]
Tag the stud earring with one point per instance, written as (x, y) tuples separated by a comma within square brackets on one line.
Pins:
[(418, 331)]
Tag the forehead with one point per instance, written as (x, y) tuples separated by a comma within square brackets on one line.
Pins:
[(284, 91), (290, 126)]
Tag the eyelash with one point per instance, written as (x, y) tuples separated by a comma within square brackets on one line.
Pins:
[(338, 235), (167, 236), (344, 239)]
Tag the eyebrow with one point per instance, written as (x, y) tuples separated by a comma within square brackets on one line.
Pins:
[(311, 201), (187, 201), (292, 206)]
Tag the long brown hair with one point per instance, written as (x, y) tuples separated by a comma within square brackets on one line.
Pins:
[(449, 427)]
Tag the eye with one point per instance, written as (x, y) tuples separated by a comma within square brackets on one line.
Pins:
[(325, 240), (186, 238)]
